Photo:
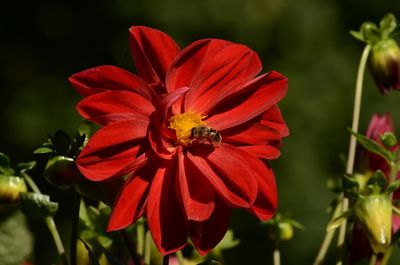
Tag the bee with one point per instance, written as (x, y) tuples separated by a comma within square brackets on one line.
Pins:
[(203, 133)]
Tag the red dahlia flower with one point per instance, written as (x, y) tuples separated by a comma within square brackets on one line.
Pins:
[(184, 185)]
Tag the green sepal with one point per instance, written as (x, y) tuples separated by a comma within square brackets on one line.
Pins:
[(395, 31), (43, 150), (61, 142), (335, 223), (396, 210), (377, 179), (5, 168), (228, 241), (389, 139), (350, 186), (86, 128), (373, 146), (392, 187), (387, 25), (370, 32), (25, 166), (358, 35), (37, 206)]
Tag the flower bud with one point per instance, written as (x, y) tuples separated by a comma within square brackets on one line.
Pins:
[(384, 63), (389, 139), (375, 215), (282, 232), (61, 171), (10, 187)]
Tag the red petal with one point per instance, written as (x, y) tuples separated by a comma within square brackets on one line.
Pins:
[(262, 151), (111, 149), (113, 106), (206, 235), (251, 133), (165, 217), (211, 68), (249, 102), (273, 119), (153, 52), (197, 193), (129, 205), (107, 77), (199, 164)]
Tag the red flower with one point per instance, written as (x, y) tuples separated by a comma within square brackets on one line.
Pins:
[(185, 187)]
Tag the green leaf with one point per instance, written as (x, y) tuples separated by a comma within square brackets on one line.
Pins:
[(62, 142), (92, 257), (396, 210), (296, 224), (37, 206), (25, 166), (43, 150), (387, 25), (358, 35), (112, 259), (335, 223), (228, 241), (373, 146), (16, 241), (392, 187)]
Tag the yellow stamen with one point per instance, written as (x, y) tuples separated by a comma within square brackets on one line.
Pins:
[(183, 123)]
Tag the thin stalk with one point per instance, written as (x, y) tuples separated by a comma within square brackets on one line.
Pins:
[(277, 254), (328, 238), (387, 256), (179, 256), (140, 237), (129, 246), (49, 222), (166, 260), (57, 239), (353, 142), (75, 225), (372, 260), (147, 249)]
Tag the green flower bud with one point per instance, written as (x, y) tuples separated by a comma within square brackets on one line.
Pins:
[(375, 215), (283, 231), (10, 187), (61, 171), (389, 139), (384, 63)]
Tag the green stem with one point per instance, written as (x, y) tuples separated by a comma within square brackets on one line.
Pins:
[(373, 259), (179, 256), (57, 239), (277, 254), (328, 238), (140, 237), (49, 222), (353, 142), (75, 226), (147, 249), (387, 256)]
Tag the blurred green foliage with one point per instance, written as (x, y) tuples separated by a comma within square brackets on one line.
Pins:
[(44, 42)]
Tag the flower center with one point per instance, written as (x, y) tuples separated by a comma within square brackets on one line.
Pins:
[(183, 123)]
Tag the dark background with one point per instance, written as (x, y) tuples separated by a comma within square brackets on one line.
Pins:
[(42, 43)]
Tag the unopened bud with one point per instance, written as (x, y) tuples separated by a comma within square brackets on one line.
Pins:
[(375, 215), (389, 139), (384, 63), (10, 187), (61, 171), (283, 231)]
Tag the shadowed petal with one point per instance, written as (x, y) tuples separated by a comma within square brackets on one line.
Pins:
[(112, 106), (111, 149), (197, 194), (107, 77), (129, 205), (153, 52), (249, 102), (273, 119), (262, 151), (165, 217), (207, 234), (251, 133)]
